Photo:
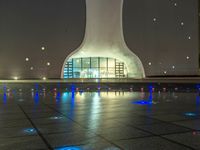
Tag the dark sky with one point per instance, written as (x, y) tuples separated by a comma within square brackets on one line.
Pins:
[(163, 33)]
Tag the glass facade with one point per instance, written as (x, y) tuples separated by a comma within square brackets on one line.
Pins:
[(94, 67)]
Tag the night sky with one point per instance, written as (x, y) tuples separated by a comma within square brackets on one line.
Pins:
[(163, 33)]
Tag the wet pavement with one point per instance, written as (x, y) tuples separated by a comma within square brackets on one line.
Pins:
[(37, 117)]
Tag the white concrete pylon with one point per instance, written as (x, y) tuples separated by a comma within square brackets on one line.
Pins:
[(104, 36)]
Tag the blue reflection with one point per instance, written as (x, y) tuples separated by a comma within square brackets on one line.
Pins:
[(37, 86), (4, 97), (150, 87), (99, 93), (72, 104), (68, 148), (29, 131), (198, 100), (58, 96), (58, 85), (149, 101), (73, 90), (198, 103), (99, 88), (198, 87), (4, 94), (73, 99), (36, 97)]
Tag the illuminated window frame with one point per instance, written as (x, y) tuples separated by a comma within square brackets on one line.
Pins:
[(94, 67)]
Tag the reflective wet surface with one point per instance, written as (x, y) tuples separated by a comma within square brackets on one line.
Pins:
[(37, 117)]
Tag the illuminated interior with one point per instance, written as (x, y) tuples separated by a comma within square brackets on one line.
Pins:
[(94, 67)]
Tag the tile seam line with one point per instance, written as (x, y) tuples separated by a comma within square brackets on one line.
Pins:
[(170, 123), (164, 138), (82, 126), (39, 133)]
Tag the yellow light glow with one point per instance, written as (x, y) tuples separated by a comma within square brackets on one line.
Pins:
[(43, 48), (15, 78), (27, 59), (48, 63)]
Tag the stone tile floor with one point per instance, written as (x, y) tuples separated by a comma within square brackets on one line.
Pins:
[(31, 120)]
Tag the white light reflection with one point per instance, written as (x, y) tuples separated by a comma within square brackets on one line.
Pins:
[(32, 94), (94, 112)]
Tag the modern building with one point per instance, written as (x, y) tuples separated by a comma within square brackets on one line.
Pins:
[(103, 52)]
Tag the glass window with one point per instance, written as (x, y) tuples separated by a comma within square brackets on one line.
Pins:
[(77, 72), (85, 73), (103, 72), (94, 62), (77, 62), (111, 62), (111, 72), (86, 62), (94, 73), (109, 68), (103, 62)]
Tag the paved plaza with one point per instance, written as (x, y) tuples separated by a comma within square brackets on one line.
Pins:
[(37, 118)]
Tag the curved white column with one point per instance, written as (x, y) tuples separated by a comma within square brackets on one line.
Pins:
[(104, 36)]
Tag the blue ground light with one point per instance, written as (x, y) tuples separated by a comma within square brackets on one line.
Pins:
[(29, 131), (56, 118), (190, 114), (142, 102), (68, 148)]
